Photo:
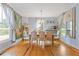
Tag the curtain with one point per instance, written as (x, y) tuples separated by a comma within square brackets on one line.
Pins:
[(18, 25), (11, 22)]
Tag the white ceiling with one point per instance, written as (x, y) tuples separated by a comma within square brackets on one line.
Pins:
[(33, 9)]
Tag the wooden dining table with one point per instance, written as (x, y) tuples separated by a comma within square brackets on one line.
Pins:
[(45, 37)]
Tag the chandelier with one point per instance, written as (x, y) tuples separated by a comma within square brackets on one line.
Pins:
[(40, 22), (41, 11)]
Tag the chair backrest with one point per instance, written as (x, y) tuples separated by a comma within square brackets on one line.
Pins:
[(33, 35), (49, 36), (42, 35)]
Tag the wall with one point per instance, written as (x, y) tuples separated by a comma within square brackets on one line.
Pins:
[(32, 21), (73, 42), (49, 22)]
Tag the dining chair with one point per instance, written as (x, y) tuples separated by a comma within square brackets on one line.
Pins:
[(33, 39), (48, 40), (41, 39)]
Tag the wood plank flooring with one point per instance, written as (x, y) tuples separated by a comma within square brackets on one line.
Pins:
[(17, 50), (25, 49)]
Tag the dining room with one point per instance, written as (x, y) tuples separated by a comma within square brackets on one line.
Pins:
[(39, 29)]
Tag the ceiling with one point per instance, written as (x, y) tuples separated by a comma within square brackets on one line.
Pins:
[(48, 9)]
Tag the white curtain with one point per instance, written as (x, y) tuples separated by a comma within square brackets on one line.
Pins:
[(11, 22)]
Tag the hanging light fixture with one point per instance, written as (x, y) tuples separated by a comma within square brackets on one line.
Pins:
[(41, 20)]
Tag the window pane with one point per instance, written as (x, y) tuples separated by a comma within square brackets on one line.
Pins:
[(0, 14), (4, 34)]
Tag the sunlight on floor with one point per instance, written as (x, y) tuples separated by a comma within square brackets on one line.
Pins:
[(63, 50)]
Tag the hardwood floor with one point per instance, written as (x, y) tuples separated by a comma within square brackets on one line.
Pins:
[(17, 50), (25, 49)]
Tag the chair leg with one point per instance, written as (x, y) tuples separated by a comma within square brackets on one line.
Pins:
[(43, 45), (38, 42)]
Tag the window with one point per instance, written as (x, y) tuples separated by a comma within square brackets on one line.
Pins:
[(4, 34), (63, 29), (39, 25)]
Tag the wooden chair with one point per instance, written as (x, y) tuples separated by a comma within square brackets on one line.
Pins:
[(33, 39), (41, 39), (49, 38)]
